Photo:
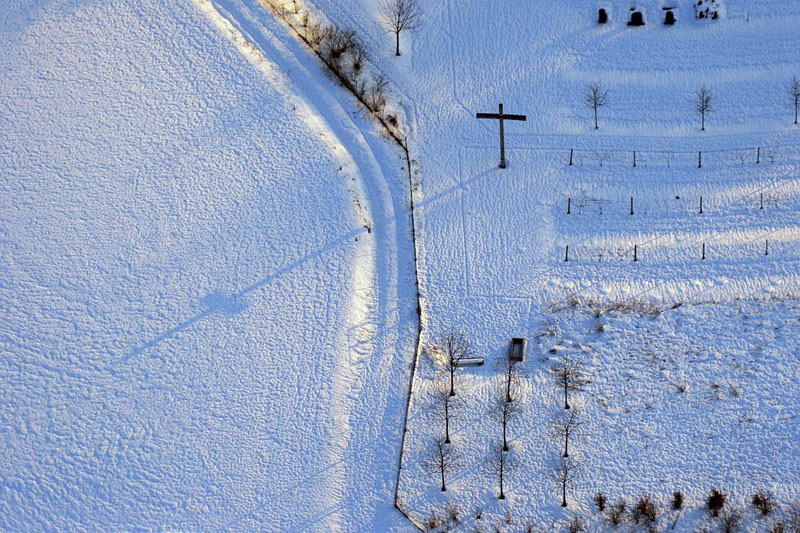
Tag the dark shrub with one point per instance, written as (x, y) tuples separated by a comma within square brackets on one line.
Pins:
[(600, 501), (677, 500), (616, 513), (576, 525), (763, 502), (716, 501), (645, 511)]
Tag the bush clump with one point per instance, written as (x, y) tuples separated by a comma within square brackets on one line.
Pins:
[(600, 501), (716, 501), (645, 511), (677, 500), (616, 513), (762, 500)]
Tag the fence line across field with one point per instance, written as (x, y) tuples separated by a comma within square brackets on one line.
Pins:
[(758, 154)]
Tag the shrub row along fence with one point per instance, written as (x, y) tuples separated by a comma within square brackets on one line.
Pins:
[(344, 56)]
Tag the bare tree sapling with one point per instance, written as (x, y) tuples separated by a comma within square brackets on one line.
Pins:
[(569, 377), (565, 472), (595, 97), (440, 461), (452, 348), (505, 412), (567, 426), (399, 16), (794, 92), (501, 464), (445, 405), (703, 105)]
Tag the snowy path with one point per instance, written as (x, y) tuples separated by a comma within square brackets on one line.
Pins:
[(388, 330)]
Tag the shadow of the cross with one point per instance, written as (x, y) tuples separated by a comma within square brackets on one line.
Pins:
[(461, 185), (220, 303)]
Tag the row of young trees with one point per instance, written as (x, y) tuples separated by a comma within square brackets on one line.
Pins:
[(596, 97), (443, 457)]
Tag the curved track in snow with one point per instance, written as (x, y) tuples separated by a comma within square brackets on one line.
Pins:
[(381, 335)]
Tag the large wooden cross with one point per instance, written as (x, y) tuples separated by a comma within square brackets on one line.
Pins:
[(501, 117)]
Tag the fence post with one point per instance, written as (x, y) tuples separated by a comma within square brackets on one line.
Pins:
[(566, 255), (758, 155), (700, 159), (704, 252), (701, 205), (635, 252), (631, 205), (570, 157), (569, 205), (766, 247), (762, 201), (634, 158)]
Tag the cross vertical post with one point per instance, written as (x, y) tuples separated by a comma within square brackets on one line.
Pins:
[(502, 117), (502, 140)]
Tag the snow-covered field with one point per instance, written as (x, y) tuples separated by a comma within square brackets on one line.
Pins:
[(208, 288), (198, 330)]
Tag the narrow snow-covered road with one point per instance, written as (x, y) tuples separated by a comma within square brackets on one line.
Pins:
[(381, 337)]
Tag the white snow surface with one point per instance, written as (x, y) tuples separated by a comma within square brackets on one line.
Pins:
[(207, 316), (207, 292)]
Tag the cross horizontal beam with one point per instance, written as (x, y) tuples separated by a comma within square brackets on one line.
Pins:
[(497, 116)]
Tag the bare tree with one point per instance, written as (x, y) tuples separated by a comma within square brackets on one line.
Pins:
[(565, 472), (377, 96), (445, 406), (569, 376), (731, 520), (794, 92), (501, 464), (505, 412), (440, 461), (595, 97), (512, 376), (702, 103), (451, 349), (401, 15), (568, 425)]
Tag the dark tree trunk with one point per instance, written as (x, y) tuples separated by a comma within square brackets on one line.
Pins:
[(397, 35), (502, 493), (444, 489), (566, 403), (447, 421), (563, 494), (452, 374), (566, 444), (505, 442), (702, 121), (508, 383), (595, 117), (795, 110)]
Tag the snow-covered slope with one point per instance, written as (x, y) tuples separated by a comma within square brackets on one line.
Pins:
[(206, 301)]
